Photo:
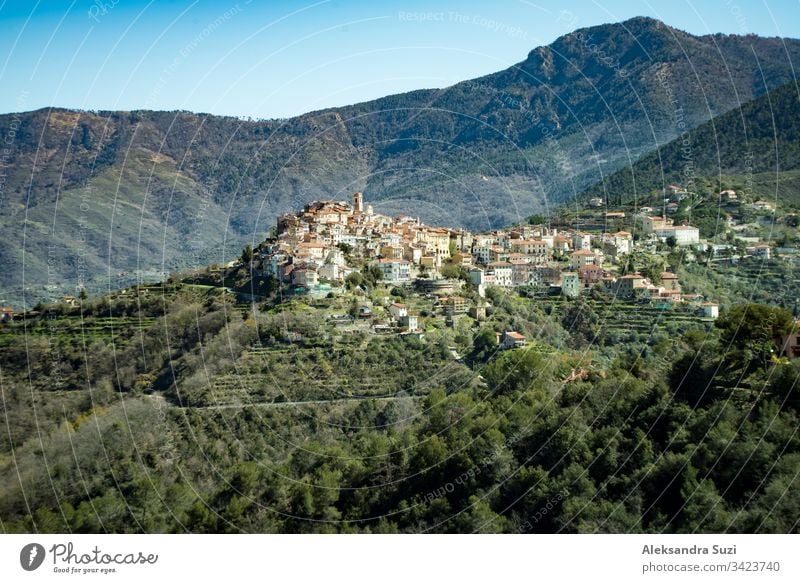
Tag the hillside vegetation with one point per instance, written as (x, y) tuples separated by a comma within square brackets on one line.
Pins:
[(173, 409)]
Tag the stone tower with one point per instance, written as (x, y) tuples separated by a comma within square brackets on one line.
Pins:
[(358, 202)]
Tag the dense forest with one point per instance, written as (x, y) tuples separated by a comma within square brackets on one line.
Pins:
[(180, 410)]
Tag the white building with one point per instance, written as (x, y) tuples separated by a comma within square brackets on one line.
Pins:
[(503, 273), (582, 241), (394, 270), (570, 284), (683, 234), (329, 271), (623, 242), (482, 253), (409, 322), (398, 311), (709, 310)]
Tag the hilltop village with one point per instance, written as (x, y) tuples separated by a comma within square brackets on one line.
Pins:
[(373, 273), (330, 245)]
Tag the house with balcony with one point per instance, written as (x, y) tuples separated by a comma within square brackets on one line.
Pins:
[(629, 285), (453, 305), (537, 250), (305, 277), (590, 275), (502, 273), (409, 322), (394, 270), (581, 258)]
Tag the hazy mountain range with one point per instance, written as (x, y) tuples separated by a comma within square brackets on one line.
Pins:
[(88, 195)]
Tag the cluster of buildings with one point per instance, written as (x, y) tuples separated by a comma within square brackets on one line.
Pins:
[(322, 245), (664, 229)]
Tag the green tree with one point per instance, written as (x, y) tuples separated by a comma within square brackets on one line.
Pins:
[(354, 280), (373, 274), (484, 344), (247, 254), (536, 220), (755, 329), (518, 370), (452, 271), (581, 321)]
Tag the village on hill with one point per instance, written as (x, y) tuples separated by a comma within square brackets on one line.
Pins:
[(398, 275), (341, 247)]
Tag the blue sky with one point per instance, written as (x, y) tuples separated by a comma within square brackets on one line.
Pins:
[(276, 58)]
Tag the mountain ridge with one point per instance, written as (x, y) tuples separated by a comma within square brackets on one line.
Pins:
[(480, 153), (760, 137)]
